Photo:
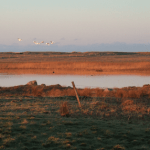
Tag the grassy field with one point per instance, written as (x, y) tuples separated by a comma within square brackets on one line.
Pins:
[(88, 63), (103, 123)]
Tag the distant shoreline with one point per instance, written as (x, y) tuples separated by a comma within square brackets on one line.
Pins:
[(76, 63)]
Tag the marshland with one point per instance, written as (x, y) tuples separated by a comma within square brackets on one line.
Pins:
[(48, 116), (86, 63)]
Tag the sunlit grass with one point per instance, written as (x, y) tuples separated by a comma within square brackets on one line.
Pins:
[(76, 63), (58, 91)]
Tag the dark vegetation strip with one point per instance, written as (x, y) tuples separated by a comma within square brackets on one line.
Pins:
[(58, 90)]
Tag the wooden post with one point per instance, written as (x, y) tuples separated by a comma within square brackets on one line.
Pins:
[(76, 93)]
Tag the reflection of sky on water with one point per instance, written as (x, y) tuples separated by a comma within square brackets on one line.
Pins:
[(102, 81)]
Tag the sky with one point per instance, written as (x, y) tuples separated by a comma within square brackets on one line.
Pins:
[(75, 25)]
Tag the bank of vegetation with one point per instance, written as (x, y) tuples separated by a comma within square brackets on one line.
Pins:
[(58, 90), (88, 63)]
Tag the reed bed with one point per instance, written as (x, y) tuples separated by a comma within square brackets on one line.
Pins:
[(91, 63), (58, 90), (77, 65), (80, 68)]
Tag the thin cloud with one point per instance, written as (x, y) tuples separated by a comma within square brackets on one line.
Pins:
[(62, 39), (76, 39), (57, 43)]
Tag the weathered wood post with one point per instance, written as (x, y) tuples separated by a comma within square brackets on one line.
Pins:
[(76, 94)]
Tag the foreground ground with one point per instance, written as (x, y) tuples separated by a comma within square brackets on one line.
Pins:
[(48, 117), (87, 63), (105, 122)]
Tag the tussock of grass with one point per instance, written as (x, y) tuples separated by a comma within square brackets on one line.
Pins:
[(24, 121), (127, 102), (64, 110), (118, 147)]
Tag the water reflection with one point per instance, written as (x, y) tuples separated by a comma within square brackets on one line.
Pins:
[(102, 81)]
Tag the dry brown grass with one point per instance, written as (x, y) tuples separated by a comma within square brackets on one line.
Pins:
[(75, 63), (61, 92), (127, 102), (36, 91), (24, 121), (148, 110), (86, 92), (57, 90), (78, 67), (132, 93), (64, 109), (121, 93), (130, 106)]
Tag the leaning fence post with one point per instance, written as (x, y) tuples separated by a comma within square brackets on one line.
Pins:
[(76, 93)]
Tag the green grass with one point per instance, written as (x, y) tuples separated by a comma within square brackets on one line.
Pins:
[(36, 123)]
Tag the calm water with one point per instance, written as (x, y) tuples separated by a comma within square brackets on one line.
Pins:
[(102, 81)]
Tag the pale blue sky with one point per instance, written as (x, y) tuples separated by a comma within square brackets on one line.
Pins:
[(75, 22)]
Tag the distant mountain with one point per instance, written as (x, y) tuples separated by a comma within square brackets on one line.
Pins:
[(116, 47)]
